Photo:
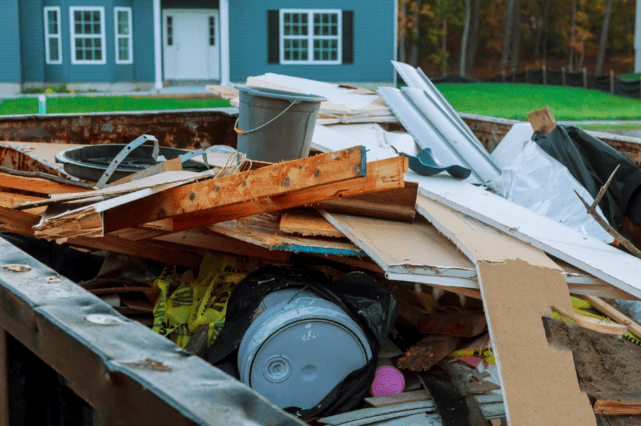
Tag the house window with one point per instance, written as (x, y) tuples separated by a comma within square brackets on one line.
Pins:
[(124, 39), (87, 35), (310, 36), (170, 31), (53, 43), (212, 31)]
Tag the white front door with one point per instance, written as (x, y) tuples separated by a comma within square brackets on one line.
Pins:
[(190, 44)]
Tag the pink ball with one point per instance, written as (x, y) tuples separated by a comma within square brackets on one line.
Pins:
[(387, 381)]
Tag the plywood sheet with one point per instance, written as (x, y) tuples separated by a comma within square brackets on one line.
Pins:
[(519, 285), (408, 251), (586, 253), (307, 223)]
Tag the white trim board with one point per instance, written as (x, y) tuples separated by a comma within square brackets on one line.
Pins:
[(586, 253)]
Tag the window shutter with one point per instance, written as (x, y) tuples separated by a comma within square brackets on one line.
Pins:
[(273, 37), (348, 36)]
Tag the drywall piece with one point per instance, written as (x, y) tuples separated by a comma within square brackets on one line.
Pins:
[(586, 253), (414, 252), (520, 285), (512, 144), (459, 140), (373, 133), (338, 98), (424, 132), (326, 139)]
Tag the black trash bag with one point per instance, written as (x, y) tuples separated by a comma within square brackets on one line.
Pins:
[(591, 162), (365, 300)]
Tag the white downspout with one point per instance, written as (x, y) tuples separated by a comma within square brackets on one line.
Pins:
[(224, 42), (157, 46), (637, 39)]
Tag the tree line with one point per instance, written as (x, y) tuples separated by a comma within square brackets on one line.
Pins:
[(483, 37)]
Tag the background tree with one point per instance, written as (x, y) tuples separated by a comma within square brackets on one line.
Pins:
[(466, 32), (604, 37)]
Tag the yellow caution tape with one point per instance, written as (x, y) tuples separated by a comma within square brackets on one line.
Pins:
[(197, 301), (484, 354)]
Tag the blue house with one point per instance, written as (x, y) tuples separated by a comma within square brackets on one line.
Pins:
[(142, 44)]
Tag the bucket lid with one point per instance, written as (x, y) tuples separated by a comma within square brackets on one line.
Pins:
[(278, 94)]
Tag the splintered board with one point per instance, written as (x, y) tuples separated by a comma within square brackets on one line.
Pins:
[(414, 252), (262, 230), (519, 285), (381, 175), (307, 223)]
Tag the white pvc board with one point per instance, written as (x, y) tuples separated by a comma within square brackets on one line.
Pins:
[(512, 144), (586, 253)]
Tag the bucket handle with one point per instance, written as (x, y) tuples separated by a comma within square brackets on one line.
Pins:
[(242, 132)]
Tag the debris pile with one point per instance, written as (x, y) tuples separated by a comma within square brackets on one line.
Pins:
[(378, 280)]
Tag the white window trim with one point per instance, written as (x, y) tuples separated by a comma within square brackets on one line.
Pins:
[(128, 36), (48, 36), (72, 27), (310, 37)]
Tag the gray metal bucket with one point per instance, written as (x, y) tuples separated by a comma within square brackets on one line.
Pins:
[(274, 125)]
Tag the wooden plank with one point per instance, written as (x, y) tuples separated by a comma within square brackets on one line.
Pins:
[(394, 204), (5, 419), (381, 175), (210, 240), (307, 223), (427, 352), (173, 165), (519, 285), (240, 187), (611, 312), (423, 395), (145, 250), (618, 404), (542, 120), (269, 236), (37, 185), (454, 324), (586, 253)]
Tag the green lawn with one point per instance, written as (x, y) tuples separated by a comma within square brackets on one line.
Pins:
[(630, 126), (104, 103), (631, 77), (517, 100)]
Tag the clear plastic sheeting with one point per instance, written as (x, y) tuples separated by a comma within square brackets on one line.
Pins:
[(539, 182)]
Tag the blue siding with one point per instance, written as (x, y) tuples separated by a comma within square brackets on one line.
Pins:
[(374, 22), (143, 22), (32, 39), (10, 57), (190, 4)]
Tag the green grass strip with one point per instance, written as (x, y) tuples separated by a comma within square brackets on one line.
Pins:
[(515, 101), (82, 104)]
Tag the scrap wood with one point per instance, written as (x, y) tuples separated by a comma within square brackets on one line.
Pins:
[(307, 223), (173, 165), (38, 185), (542, 120), (423, 395), (611, 312), (454, 324), (618, 404), (428, 352), (161, 179), (519, 285), (395, 204), (209, 240), (237, 188), (272, 238), (381, 175), (591, 209)]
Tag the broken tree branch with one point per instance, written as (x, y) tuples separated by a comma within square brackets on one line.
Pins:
[(591, 209)]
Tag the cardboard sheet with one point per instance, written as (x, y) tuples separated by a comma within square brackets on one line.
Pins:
[(519, 284)]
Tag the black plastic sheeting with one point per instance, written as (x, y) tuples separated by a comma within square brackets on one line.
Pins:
[(626, 88), (368, 302), (591, 162)]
